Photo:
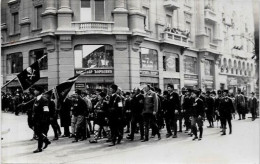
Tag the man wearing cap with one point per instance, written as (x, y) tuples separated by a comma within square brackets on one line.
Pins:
[(217, 102), (209, 109), (41, 118), (187, 105), (252, 104), (240, 104), (226, 109), (79, 111), (174, 103), (181, 114), (197, 114), (115, 107), (150, 110)]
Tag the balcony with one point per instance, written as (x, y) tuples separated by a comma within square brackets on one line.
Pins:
[(171, 4), (93, 27), (174, 38), (210, 15)]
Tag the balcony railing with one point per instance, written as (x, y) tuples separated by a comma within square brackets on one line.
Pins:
[(174, 38), (210, 15), (171, 4), (93, 27)]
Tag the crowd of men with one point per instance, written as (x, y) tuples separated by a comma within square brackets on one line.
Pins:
[(106, 114)]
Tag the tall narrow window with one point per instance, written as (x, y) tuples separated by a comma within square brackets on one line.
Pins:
[(85, 11), (15, 23), (169, 21), (38, 20), (175, 19), (188, 26), (99, 10), (146, 21)]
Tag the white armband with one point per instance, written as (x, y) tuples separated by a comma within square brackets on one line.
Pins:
[(46, 109)]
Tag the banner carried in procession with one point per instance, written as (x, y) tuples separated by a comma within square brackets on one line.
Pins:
[(62, 90), (29, 76)]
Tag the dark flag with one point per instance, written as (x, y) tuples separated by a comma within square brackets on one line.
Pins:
[(62, 90), (29, 76)]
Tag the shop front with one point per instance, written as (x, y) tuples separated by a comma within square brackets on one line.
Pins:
[(97, 60), (191, 79), (149, 73)]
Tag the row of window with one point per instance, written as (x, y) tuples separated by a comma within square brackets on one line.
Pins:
[(14, 62), (101, 56), (38, 10)]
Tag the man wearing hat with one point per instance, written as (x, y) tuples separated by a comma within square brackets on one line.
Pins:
[(240, 104), (115, 107), (137, 106), (217, 102), (174, 103), (41, 118), (252, 104), (226, 109), (197, 114), (187, 105), (79, 110), (209, 109), (182, 97)]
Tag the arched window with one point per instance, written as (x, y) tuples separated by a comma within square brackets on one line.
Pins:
[(225, 62), (243, 66), (171, 62), (229, 63)]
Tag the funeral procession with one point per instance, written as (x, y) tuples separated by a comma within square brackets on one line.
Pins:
[(130, 82)]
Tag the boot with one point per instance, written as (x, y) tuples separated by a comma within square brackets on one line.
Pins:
[(37, 151)]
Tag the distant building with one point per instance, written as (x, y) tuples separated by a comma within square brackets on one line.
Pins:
[(129, 42)]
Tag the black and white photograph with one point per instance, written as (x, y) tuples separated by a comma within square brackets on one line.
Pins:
[(129, 82)]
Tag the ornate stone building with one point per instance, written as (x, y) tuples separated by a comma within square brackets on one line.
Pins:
[(127, 42)]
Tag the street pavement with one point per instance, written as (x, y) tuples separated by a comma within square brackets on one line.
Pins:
[(242, 147)]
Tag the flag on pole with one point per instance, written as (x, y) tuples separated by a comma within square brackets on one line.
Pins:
[(29, 76), (62, 90)]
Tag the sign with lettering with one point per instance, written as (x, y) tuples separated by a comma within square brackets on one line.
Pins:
[(95, 71), (149, 73), (186, 76), (79, 85)]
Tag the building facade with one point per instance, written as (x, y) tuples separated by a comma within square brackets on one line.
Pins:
[(127, 42)]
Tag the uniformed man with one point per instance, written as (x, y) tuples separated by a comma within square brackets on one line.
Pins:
[(41, 118), (240, 104), (150, 110), (115, 108), (209, 109), (226, 109), (79, 110), (181, 114), (217, 102), (186, 106), (197, 114), (174, 103), (137, 106), (252, 104)]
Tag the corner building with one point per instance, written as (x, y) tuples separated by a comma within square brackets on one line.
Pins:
[(127, 42)]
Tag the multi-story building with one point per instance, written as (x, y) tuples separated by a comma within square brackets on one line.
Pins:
[(127, 42)]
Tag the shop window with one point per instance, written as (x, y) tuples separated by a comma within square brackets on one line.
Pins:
[(14, 63), (93, 56), (190, 65), (36, 55), (148, 59), (209, 67), (171, 62)]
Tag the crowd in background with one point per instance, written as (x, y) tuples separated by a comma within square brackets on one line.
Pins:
[(111, 112)]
